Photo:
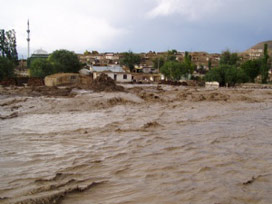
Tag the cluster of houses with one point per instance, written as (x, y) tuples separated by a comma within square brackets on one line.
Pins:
[(201, 59), (121, 74), (147, 71), (109, 63), (256, 51)]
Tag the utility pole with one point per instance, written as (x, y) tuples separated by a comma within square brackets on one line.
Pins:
[(28, 39)]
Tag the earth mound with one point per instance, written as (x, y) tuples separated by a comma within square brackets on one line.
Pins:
[(104, 83), (36, 91), (35, 81)]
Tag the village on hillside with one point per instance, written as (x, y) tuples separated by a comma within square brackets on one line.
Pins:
[(148, 67), (66, 67)]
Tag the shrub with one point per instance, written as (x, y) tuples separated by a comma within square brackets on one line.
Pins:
[(173, 70), (58, 61), (41, 68), (226, 74), (6, 68), (252, 68), (64, 61)]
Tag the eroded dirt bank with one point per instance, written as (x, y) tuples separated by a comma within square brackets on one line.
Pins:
[(148, 144)]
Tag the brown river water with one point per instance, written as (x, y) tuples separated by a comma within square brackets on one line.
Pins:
[(155, 145)]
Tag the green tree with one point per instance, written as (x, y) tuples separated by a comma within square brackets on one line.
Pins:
[(94, 52), (201, 69), (215, 74), (64, 61), (41, 68), (252, 68), (158, 62), (87, 52), (130, 59), (189, 66), (227, 74), (171, 55), (229, 58), (235, 75), (210, 63), (6, 68), (8, 45), (265, 66), (173, 70), (8, 53), (2, 43)]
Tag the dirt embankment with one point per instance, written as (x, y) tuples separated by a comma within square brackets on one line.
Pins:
[(104, 83), (169, 94), (35, 91), (22, 81), (152, 94), (36, 87)]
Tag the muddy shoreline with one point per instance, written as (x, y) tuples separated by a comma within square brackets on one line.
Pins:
[(146, 144)]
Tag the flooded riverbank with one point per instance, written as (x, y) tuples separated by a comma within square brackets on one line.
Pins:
[(148, 144)]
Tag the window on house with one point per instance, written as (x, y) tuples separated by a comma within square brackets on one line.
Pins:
[(124, 76)]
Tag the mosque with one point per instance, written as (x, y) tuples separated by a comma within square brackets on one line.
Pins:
[(40, 53)]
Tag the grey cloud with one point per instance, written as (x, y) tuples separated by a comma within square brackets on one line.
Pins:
[(106, 25)]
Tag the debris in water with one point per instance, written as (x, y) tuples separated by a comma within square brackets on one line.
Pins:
[(250, 181), (151, 124), (13, 115)]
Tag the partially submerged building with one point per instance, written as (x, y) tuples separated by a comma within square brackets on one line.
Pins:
[(115, 72), (61, 79), (116, 76), (68, 79), (146, 77)]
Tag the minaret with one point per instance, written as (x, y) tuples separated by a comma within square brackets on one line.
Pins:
[(28, 39)]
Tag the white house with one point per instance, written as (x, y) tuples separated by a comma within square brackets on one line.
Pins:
[(116, 76), (115, 72), (111, 56), (115, 68)]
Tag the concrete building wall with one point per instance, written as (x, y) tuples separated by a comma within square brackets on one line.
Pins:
[(61, 79), (141, 77)]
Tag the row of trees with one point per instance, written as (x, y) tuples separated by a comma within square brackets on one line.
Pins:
[(8, 53), (58, 61), (231, 71)]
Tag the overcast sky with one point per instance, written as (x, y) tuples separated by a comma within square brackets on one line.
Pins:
[(138, 25)]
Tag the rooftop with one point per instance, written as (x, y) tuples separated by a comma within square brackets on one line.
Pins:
[(106, 68), (40, 52)]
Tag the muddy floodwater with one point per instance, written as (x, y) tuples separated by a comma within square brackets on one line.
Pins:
[(149, 144)]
